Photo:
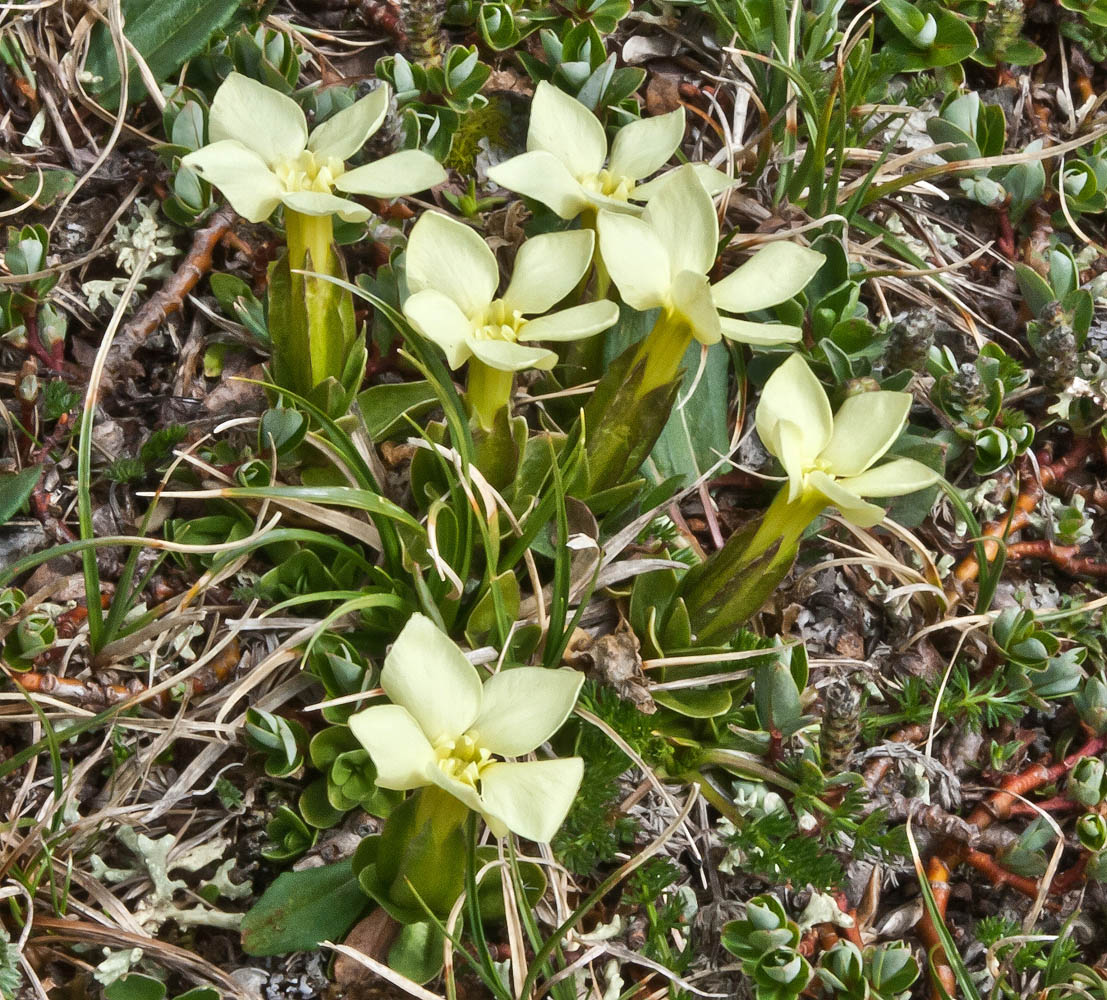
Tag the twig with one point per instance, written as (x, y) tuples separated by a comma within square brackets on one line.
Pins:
[(170, 297), (95, 695)]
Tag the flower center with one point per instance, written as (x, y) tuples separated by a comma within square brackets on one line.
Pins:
[(306, 173), (498, 322), (608, 184), (462, 758)]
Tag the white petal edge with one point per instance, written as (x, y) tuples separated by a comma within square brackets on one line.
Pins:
[(523, 707), (240, 175), (547, 268), (448, 255), (394, 176), (714, 181), (505, 356), (793, 393), (532, 798), (574, 323), (791, 449), (692, 300), (683, 217), (399, 749), (345, 132), (438, 318), (428, 675), (745, 331), (561, 125), (468, 796), (852, 507), (259, 117), (897, 477)]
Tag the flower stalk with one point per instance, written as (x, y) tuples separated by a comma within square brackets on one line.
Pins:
[(310, 249), (487, 391)]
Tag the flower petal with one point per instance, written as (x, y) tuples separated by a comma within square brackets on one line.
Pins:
[(852, 507), (561, 125), (241, 175), (745, 331), (574, 323), (523, 707), (468, 796), (635, 258), (547, 268), (393, 176), (400, 750), (344, 133), (428, 675), (646, 145), (692, 300), (317, 203), (438, 318), (542, 176), (793, 394), (532, 798), (683, 217), (792, 452), (259, 117), (714, 181), (865, 426), (505, 356), (774, 274), (446, 254), (896, 478)]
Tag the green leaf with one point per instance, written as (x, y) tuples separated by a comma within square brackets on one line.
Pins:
[(1035, 289), (385, 406), (696, 434), (135, 987), (776, 695), (303, 908), (417, 952), (907, 18), (15, 489), (282, 429), (41, 187), (166, 34)]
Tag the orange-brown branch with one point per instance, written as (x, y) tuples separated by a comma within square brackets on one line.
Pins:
[(1049, 474), (998, 806)]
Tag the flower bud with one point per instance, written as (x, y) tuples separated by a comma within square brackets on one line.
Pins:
[(1086, 783), (909, 341), (1091, 831), (1091, 703), (51, 326)]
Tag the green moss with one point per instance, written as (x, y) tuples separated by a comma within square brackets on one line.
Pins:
[(489, 122)]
